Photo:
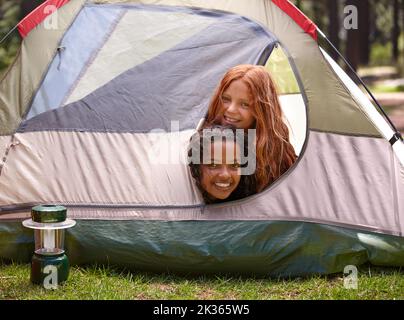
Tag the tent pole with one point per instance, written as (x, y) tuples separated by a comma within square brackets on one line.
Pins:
[(397, 135), (8, 33)]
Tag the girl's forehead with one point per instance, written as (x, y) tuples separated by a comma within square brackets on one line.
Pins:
[(222, 151), (238, 82), (239, 85)]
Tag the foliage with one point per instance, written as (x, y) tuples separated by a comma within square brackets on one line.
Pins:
[(9, 16), (380, 55), (380, 29), (400, 64), (386, 89), (383, 14)]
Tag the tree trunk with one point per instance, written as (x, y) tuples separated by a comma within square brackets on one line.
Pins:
[(318, 12), (364, 22), (333, 26), (396, 29), (27, 6), (353, 41)]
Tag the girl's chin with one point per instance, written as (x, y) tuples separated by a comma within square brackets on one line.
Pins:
[(221, 195)]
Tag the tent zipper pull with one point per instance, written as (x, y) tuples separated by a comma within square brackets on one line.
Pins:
[(59, 52), (16, 143)]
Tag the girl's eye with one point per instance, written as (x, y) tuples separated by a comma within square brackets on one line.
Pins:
[(245, 105), (235, 165), (212, 165), (225, 99)]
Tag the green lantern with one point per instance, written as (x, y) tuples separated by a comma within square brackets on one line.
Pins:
[(50, 265)]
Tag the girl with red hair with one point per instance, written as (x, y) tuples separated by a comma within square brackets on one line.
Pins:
[(246, 98)]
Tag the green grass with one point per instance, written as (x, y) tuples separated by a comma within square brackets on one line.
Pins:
[(386, 89), (96, 282)]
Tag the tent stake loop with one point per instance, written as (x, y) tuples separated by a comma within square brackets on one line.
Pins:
[(396, 137)]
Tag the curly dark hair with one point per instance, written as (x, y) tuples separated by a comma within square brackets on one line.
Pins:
[(199, 141)]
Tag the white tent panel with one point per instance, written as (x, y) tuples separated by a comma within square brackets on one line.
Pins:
[(367, 107), (294, 110)]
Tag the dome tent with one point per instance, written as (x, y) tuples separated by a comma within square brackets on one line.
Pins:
[(79, 113)]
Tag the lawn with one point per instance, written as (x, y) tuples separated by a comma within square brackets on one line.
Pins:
[(97, 282)]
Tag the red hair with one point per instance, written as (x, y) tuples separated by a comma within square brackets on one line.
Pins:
[(274, 152)]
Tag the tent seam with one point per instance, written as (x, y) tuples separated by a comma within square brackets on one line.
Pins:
[(133, 217), (92, 58), (99, 205), (6, 153), (359, 135)]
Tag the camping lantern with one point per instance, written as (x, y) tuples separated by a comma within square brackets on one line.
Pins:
[(49, 261)]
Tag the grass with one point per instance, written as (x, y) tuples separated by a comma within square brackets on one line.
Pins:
[(380, 88), (103, 283)]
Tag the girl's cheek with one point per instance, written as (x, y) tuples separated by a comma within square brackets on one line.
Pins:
[(209, 172)]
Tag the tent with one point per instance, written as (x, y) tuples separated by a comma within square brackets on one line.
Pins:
[(98, 107)]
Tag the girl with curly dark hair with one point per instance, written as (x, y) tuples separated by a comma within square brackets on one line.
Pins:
[(216, 157)]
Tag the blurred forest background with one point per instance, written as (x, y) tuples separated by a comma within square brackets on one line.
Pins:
[(11, 12), (375, 49), (379, 37)]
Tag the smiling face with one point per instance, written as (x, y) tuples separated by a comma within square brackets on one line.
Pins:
[(237, 105), (220, 170)]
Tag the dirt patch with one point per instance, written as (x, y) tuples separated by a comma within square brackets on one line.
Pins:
[(391, 99), (393, 104), (397, 117)]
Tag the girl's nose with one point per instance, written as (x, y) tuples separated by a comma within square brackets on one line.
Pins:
[(232, 108), (224, 172)]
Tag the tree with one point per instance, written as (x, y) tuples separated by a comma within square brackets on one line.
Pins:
[(396, 29), (27, 6), (318, 13), (9, 17), (333, 25), (364, 23), (353, 39)]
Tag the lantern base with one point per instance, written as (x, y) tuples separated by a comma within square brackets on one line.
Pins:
[(49, 270)]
